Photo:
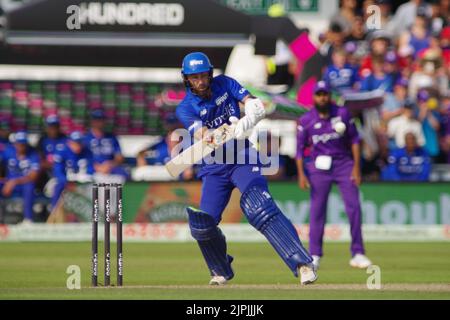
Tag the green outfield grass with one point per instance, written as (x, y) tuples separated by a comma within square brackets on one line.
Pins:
[(177, 271)]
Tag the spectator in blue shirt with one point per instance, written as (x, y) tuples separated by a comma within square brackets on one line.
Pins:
[(340, 75), (22, 170), (378, 79), (429, 116), (72, 163), (105, 148), (410, 163)]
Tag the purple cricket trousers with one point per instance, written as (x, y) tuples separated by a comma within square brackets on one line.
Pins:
[(321, 182)]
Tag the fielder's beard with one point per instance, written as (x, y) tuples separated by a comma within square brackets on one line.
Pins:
[(322, 108)]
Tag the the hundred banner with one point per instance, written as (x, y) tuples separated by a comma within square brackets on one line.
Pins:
[(382, 203)]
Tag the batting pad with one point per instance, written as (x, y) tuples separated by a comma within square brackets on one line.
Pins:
[(263, 214), (212, 243)]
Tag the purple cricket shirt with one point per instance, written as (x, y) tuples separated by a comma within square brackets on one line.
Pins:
[(318, 133)]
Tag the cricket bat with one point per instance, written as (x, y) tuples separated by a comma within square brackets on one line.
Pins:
[(200, 150)]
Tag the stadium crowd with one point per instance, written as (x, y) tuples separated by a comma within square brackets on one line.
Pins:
[(409, 59)]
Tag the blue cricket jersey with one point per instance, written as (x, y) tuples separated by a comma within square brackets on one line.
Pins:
[(407, 167), (17, 168), (158, 154), (103, 148), (341, 78), (4, 143), (49, 146), (67, 162), (194, 112)]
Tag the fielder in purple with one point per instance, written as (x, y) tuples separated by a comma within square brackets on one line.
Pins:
[(335, 158), (209, 103)]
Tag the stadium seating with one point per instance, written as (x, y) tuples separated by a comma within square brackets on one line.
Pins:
[(130, 108)]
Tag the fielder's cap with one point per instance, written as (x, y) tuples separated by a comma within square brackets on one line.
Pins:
[(21, 137), (52, 120), (76, 136), (390, 57), (423, 95), (98, 114), (321, 86)]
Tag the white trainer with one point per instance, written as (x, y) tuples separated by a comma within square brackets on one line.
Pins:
[(218, 281), (307, 274), (316, 262), (360, 261)]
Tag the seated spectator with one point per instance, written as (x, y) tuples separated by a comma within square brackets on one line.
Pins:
[(410, 163), (418, 37), (429, 73), (105, 148), (340, 75), (358, 32), (391, 65), (353, 57), (22, 170), (430, 119), (378, 78), (379, 44), (406, 122), (393, 103), (73, 163)]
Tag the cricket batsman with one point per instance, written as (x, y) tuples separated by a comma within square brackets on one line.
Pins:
[(211, 102), (331, 135)]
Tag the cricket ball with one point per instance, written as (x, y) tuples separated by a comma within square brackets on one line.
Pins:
[(339, 127)]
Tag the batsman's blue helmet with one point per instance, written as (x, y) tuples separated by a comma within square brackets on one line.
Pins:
[(196, 62)]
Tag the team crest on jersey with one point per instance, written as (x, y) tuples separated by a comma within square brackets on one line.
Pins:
[(318, 125), (221, 99), (203, 112)]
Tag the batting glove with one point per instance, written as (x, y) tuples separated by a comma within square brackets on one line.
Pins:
[(241, 126), (254, 109)]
